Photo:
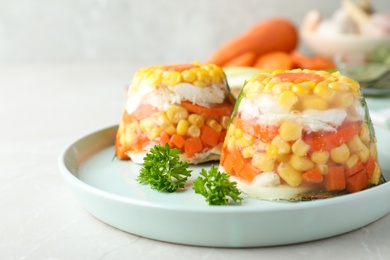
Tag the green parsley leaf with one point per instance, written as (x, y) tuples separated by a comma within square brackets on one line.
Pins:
[(163, 169), (216, 188)]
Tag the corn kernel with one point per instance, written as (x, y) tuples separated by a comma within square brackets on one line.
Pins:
[(245, 140), (340, 154), (301, 89), (324, 92), (290, 175), (252, 90), (352, 161), (314, 103), (154, 133), (376, 176), (196, 119), (231, 143), (203, 76), (364, 154), (290, 131), (263, 162), (238, 133), (301, 163), (373, 151), (248, 152), (320, 156), (268, 87), (339, 86), (154, 79), (171, 78), (162, 120), (193, 131), (323, 167), (170, 129), (214, 124), (188, 76), (282, 146), (199, 84), (182, 127), (287, 99), (272, 150), (344, 100), (225, 122), (300, 148), (364, 133), (147, 124), (176, 113), (280, 87), (355, 144)]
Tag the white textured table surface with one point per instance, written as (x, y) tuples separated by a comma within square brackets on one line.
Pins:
[(46, 107)]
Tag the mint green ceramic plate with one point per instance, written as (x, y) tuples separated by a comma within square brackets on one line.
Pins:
[(108, 190)]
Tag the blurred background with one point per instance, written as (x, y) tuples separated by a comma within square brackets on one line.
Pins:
[(142, 32)]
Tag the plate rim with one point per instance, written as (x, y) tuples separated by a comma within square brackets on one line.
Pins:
[(215, 210)]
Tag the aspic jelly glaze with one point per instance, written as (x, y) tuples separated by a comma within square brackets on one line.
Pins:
[(300, 134), (187, 106)]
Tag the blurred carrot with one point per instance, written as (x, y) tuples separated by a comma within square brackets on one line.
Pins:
[(277, 34), (244, 60), (314, 63), (274, 61)]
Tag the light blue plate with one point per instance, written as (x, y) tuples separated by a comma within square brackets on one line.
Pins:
[(108, 190)]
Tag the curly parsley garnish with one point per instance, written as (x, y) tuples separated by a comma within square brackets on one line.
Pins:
[(216, 188), (163, 169)]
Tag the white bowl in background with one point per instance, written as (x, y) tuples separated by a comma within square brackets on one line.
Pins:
[(330, 45)]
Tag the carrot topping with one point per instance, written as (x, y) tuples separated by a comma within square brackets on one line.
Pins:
[(335, 178), (299, 77), (243, 60), (370, 167), (222, 136), (249, 172), (357, 182), (358, 167), (238, 161), (144, 111), (192, 146), (325, 141), (228, 165), (274, 61), (179, 67), (313, 176), (224, 109), (177, 141), (265, 132), (164, 138), (209, 136)]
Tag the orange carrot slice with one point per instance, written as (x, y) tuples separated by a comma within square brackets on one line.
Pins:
[(209, 136), (299, 77), (335, 178), (313, 176), (249, 172), (357, 182), (224, 109), (192, 146)]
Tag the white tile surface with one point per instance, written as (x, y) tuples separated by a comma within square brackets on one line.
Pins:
[(43, 109)]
